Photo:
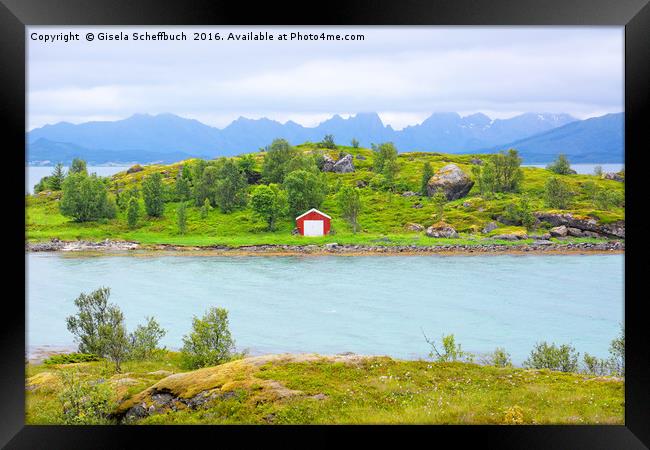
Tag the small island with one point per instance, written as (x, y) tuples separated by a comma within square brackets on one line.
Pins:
[(380, 201)]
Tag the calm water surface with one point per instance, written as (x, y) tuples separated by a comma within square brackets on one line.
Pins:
[(367, 305)]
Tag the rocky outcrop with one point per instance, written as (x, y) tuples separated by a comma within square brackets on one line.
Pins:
[(489, 227), (614, 176), (55, 245), (476, 161), (135, 168), (515, 236), (584, 224), (560, 231), (411, 226), (409, 194), (328, 164), (344, 165), (441, 230), (452, 181)]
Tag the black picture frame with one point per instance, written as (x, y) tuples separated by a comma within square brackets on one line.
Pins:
[(634, 15)]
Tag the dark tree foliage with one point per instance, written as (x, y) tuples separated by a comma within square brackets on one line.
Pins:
[(153, 193), (85, 198)]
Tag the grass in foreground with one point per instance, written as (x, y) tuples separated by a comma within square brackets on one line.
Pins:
[(301, 389)]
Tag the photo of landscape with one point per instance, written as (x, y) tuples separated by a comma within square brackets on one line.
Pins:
[(325, 225)]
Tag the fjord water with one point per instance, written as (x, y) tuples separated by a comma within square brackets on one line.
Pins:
[(367, 305)]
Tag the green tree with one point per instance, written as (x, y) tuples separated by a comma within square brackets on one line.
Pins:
[(607, 199), (152, 191), (383, 153), (269, 203), (230, 188), (99, 327), (42, 185), (55, 181), (439, 200), (500, 358), (182, 189), (355, 143), (544, 356), (210, 341), (247, 165), (275, 160), (389, 172), (205, 209), (78, 166), (560, 166), (305, 190), (328, 141), (617, 354), (133, 212), (427, 173), (507, 171), (557, 193), (349, 200), (85, 198), (181, 217), (144, 340), (598, 171), (521, 213)]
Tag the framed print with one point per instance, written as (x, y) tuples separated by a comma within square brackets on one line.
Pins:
[(376, 216)]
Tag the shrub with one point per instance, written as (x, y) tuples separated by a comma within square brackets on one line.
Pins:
[(595, 365), (563, 358), (83, 402), (439, 200), (182, 189), (350, 203), (598, 171), (152, 191), (513, 416), (328, 141), (502, 172), (450, 350), (521, 214), (210, 342), (143, 342), (617, 354), (354, 143), (560, 166), (557, 193), (607, 199), (71, 358), (85, 198), (500, 358)]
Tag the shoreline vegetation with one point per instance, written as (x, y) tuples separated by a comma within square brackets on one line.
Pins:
[(380, 201), (122, 377)]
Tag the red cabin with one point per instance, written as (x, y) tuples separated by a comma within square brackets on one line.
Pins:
[(313, 223)]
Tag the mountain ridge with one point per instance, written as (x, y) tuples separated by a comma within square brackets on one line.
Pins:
[(162, 135)]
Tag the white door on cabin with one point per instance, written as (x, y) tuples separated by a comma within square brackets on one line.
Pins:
[(314, 227)]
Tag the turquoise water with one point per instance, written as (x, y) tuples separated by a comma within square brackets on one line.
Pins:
[(367, 305)]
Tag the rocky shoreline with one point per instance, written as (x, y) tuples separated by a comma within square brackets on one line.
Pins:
[(538, 246)]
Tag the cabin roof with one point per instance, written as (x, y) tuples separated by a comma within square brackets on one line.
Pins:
[(313, 210)]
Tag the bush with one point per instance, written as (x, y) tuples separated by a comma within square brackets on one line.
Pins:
[(85, 198), (205, 209), (328, 142), (355, 143), (520, 214), (561, 166), (427, 173), (78, 166), (350, 203), (563, 358), (143, 342), (499, 358), (230, 187), (557, 193), (451, 350), (83, 402), (607, 199), (383, 153), (210, 342), (71, 358)]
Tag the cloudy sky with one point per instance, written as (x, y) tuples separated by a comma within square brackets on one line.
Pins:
[(403, 73)]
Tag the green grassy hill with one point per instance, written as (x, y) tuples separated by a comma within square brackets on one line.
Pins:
[(343, 389), (382, 220)]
